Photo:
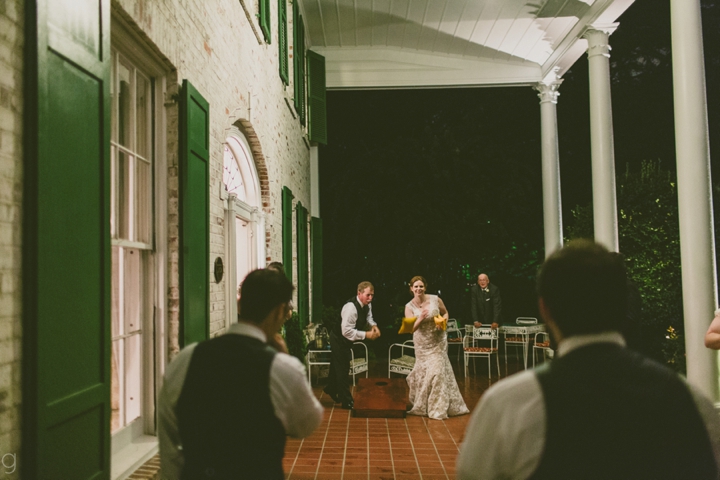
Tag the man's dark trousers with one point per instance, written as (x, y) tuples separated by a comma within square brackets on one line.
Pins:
[(339, 368)]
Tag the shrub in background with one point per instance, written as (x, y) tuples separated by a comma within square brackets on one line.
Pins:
[(650, 243)]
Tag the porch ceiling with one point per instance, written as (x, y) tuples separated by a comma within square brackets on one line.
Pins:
[(440, 43)]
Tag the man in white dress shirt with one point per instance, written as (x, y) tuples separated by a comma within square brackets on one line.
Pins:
[(598, 410), (356, 318), (228, 403)]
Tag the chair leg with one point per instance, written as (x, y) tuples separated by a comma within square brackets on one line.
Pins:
[(506, 367)]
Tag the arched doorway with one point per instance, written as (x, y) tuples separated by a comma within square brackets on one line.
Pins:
[(244, 219)]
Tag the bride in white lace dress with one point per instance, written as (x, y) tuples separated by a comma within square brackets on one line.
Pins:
[(433, 389)]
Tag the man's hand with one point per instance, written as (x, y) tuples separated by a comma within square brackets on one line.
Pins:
[(477, 324), (278, 343), (373, 333), (494, 325)]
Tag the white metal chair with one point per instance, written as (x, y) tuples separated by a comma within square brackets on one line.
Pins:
[(319, 353), (405, 362), (359, 363), (518, 337), (454, 335), (487, 346), (468, 331), (542, 343)]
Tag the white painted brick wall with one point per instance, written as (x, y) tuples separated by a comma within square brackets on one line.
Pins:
[(11, 178), (213, 45)]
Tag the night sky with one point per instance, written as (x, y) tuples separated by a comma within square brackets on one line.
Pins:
[(446, 183)]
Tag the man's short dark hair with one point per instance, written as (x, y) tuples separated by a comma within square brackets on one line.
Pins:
[(262, 291), (584, 287), (277, 266)]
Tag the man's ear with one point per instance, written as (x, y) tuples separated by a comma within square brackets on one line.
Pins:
[(544, 312), (549, 321)]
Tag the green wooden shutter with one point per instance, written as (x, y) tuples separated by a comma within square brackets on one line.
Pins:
[(287, 230), (316, 247), (299, 62), (302, 256), (265, 20), (66, 240), (194, 215), (283, 41), (316, 98)]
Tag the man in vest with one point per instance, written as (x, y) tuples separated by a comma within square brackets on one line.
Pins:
[(227, 403), (356, 319), (599, 410)]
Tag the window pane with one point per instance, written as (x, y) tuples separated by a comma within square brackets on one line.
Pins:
[(117, 275), (143, 201), (117, 364), (143, 116), (124, 104), (113, 100), (113, 192), (123, 195), (133, 377), (133, 290)]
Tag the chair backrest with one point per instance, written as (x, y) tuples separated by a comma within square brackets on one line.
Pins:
[(526, 321), (410, 345), (452, 325), (483, 334)]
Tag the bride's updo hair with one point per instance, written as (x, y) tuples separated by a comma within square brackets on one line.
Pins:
[(415, 279)]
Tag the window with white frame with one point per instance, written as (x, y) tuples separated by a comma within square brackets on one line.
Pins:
[(245, 247), (131, 228)]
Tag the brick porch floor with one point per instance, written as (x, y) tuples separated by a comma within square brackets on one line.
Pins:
[(349, 448)]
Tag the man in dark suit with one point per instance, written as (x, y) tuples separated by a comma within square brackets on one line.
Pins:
[(485, 302)]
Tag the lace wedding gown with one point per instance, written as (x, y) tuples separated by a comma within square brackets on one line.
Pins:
[(433, 389)]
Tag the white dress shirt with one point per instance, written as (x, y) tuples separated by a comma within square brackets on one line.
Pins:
[(294, 403), (505, 437), (349, 315)]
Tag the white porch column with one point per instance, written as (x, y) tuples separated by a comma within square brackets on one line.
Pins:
[(552, 205), (314, 182), (601, 137), (697, 240)]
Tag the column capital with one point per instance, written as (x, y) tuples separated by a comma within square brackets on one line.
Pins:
[(597, 36), (548, 92)]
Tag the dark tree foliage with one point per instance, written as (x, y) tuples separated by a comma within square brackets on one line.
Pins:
[(447, 194), (649, 241)]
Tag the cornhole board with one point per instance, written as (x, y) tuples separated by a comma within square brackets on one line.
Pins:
[(381, 398)]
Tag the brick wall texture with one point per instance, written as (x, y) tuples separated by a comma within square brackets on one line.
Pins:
[(11, 178), (215, 46)]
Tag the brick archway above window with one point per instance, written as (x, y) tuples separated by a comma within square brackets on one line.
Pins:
[(247, 129)]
